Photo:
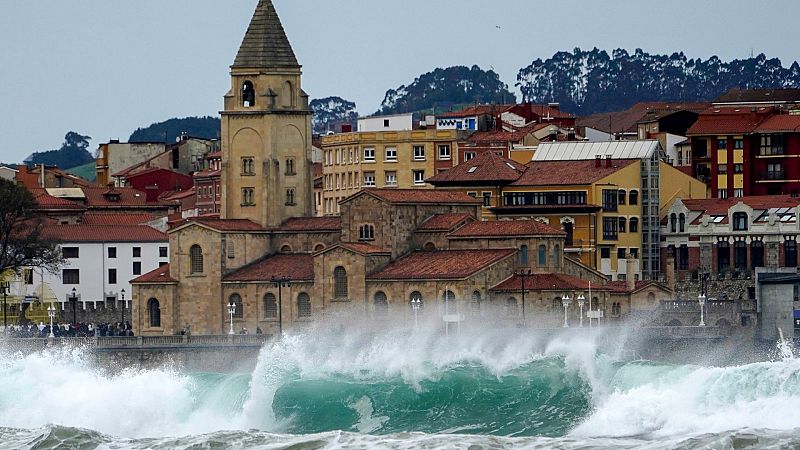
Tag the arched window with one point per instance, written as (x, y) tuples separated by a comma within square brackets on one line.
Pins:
[(236, 299), (621, 199), (288, 95), (634, 225), (557, 306), (303, 305), (449, 302), (155, 312), (622, 223), (740, 221), (319, 247), (556, 257), (682, 222), (248, 94), (673, 223), (633, 196), (366, 232), (286, 249), (429, 247), (542, 256), (270, 306), (339, 282), (523, 255), (380, 303), (196, 259), (414, 298), (476, 301), (569, 228)]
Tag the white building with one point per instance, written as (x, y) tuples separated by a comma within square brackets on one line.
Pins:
[(397, 122), (100, 261)]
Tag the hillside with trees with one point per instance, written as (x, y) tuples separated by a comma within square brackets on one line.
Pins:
[(169, 130), (331, 111), (73, 152)]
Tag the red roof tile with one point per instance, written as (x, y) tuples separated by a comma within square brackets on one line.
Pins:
[(208, 173), (785, 123), (160, 275), (104, 233), (550, 173), (506, 136), (301, 224), (213, 155), (100, 197), (471, 111), (720, 206), (297, 266), (417, 196), (444, 222), (229, 225), (116, 219), (622, 286), (728, 121), (738, 95), (545, 282), (362, 248), (441, 265), (626, 121), (483, 168), (48, 202), (505, 228)]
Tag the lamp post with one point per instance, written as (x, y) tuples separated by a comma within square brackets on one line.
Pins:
[(74, 300), (5, 286), (280, 282), (416, 303), (581, 300), (122, 293), (702, 300), (565, 303), (51, 312), (523, 274), (231, 311)]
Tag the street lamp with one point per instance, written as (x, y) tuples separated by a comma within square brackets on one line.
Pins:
[(51, 312), (523, 274), (416, 303), (565, 303), (5, 286), (702, 300), (581, 300), (280, 282), (122, 293), (231, 311), (74, 300)]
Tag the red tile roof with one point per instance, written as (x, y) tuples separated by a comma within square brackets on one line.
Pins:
[(622, 286), (362, 248), (48, 202), (99, 197), (116, 219), (506, 136), (720, 206), (738, 95), (207, 173), (302, 224), (444, 222), (485, 167), (229, 225), (545, 111), (418, 196), (728, 121), (550, 173), (505, 228), (104, 233), (217, 154), (785, 123), (160, 275), (441, 265), (478, 110), (626, 121), (299, 267), (546, 282)]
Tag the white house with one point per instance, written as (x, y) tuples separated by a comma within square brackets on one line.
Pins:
[(397, 122)]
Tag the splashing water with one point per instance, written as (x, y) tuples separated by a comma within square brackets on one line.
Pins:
[(401, 389)]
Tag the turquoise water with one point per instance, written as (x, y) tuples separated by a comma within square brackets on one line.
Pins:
[(404, 389)]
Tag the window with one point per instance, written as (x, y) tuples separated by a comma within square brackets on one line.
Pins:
[(303, 305), (620, 254), (391, 153), (775, 171), (290, 197), (70, 276), (162, 252), (722, 144), (723, 256), (634, 252), (683, 257), (682, 222), (475, 302), (556, 257), (622, 223), (369, 179), (248, 167), (381, 304), (487, 198), (757, 254), (236, 300), (69, 252), (137, 268), (196, 259), (444, 151), (722, 193), (419, 177), (247, 196), (270, 306), (621, 195), (634, 225), (542, 256), (722, 169), (771, 144), (609, 200), (468, 156), (738, 168), (369, 154), (790, 250), (248, 94), (112, 252), (386, 123), (738, 192), (419, 152), (366, 232), (27, 274), (416, 299), (610, 228), (340, 283), (605, 252), (290, 166), (112, 276), (523, 255), (154, 311), (740, 255), (391, 178), (633, 197), (738, 144), (569, 229), (739, 221), (137, 252)]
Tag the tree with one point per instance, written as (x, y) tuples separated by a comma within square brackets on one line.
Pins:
[(73, 152), (331, 111), (22, 239)]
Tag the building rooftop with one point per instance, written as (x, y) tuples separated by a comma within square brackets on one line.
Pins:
[(299, 267), (159, 275), (319, 224), (441, 264), (265, 43), (444, 222), (743, 96), (505, 228), (362, 248), (626, 121), (545, 282), (418, 196), (783, 123), (103, 233), (223, 225), (477, 110), (583, 150), (717, 120), (555, 173), (485, 167), (116, 219)]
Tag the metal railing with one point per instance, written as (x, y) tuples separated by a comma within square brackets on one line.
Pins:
[(105, 342)]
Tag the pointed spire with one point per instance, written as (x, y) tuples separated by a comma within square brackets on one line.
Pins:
[(265, 44)]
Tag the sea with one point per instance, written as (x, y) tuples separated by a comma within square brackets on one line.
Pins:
[(347, 387)]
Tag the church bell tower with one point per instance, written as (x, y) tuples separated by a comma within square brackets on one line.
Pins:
[(266, 129)]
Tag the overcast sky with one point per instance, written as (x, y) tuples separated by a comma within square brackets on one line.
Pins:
[(106, 67)]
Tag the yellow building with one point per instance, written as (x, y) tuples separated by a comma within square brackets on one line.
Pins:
[(393, 159), (609, 207)]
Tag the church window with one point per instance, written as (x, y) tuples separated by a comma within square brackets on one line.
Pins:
[(270, 306), (288, 95), (366, 232), (155, 312), (248, 196), (290, 196), (542, 256), (381, 304), (290, 166), (196, 259), (340, 283), (523, 255), (248, 94), (248, 167), (303, 305), (236, 300)]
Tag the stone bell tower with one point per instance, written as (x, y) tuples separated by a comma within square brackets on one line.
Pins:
[(266, 128)]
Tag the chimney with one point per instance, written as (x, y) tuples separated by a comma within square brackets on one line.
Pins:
[(630, 279), (597, 159), (670, 270), (608, 160)]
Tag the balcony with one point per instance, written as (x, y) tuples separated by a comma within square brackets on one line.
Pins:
[(772, 175)]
